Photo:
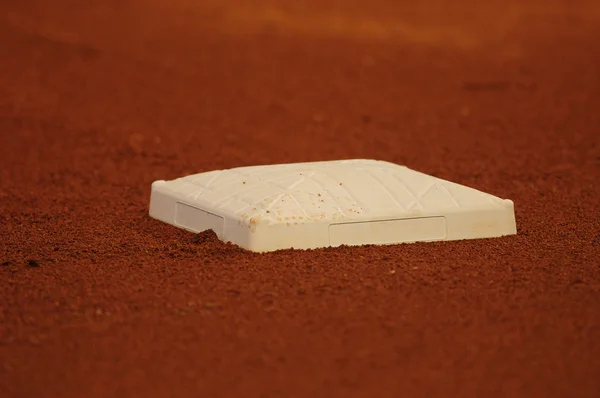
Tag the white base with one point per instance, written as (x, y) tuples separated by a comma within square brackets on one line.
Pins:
[(321, 204)]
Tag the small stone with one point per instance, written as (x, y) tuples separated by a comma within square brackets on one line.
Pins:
[(33, 263)]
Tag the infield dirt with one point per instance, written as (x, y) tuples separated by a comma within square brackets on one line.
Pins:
[(97, 100)]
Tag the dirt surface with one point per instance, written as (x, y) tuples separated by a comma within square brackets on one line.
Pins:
[(100, 98)]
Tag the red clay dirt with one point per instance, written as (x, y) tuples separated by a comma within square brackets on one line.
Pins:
[(98, 99)]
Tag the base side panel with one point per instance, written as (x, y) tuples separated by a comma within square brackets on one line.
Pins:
[(388, 231), (265, 237), (162, 204), (198, 220), (484, 223)]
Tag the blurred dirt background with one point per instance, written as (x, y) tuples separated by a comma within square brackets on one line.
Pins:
[(100, 98)]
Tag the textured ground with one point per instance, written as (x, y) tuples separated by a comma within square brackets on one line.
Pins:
[(100, 98)]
